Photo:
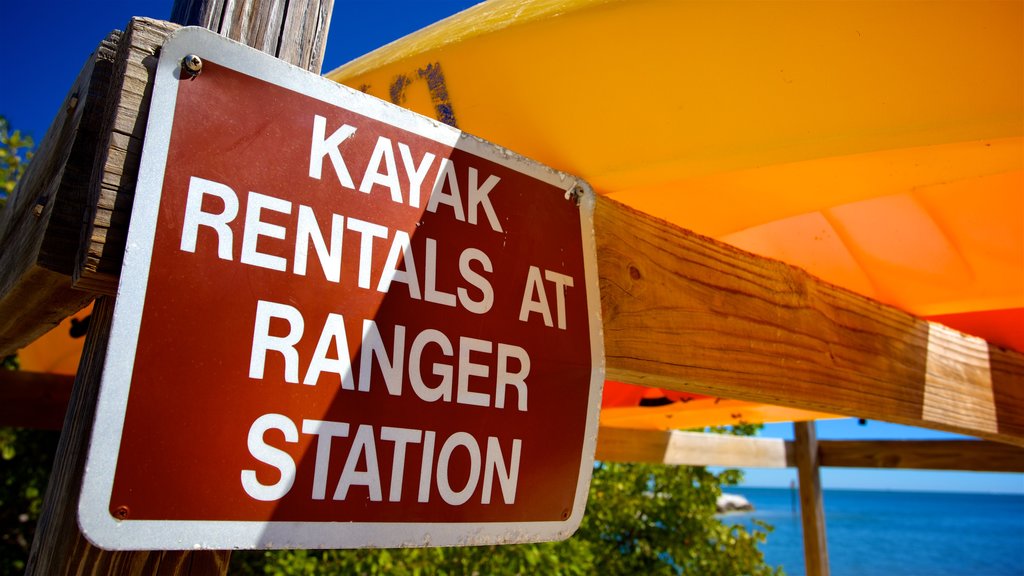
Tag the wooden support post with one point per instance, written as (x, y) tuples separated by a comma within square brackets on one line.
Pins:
[(296, 31), (293, 31), (39, 227), (812, 508), (59, 547)]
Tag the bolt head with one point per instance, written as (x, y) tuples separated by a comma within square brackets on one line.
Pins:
[(192, 64)]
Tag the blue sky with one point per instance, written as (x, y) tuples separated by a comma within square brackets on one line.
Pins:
[(46, 46), (52, 40)]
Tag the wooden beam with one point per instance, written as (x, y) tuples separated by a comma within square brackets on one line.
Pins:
[(812, 508), (116, 168), (691, 448), (260, 24), (33, 399), (969, 455), (684, 312), (698, 449), (40, 226)]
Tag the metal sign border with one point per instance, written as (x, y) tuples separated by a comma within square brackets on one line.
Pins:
[(94, 517)]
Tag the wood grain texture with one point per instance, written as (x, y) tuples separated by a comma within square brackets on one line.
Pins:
[(293, 30), (970, 455), (685, 312), (696, 449), (261, 24), (116, 167), (59, 547), (812, 506), (41, 223), (690, 448)]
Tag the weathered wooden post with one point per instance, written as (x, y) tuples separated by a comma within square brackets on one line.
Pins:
[(295, 32), (812, 508)]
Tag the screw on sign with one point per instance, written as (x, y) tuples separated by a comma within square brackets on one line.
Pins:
[(340, 324), (192, 65)]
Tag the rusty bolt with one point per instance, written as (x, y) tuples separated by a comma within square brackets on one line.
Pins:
[(121, 512), (192, 65)]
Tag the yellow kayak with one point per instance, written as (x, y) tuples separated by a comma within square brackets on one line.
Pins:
[(876, 144), (879, 145)]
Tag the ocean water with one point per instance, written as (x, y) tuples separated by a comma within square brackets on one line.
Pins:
[(897, 533)]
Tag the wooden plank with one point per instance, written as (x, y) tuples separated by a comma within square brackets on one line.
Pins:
[(116, 167), (40, 226), (260, 24), (698, 449), (970, 455), (685, 312), (812, 508), (59, 547), (34, 399), (690, 448)]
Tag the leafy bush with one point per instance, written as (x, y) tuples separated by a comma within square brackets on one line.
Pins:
[(26, 457), (15, 152)]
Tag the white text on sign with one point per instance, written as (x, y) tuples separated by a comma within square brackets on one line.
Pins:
[(291, 237)]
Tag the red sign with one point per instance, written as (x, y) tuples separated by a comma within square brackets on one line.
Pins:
[(340, 324)]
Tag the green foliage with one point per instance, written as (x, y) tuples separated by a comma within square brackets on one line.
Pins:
[(15, 152), (654, 519), (640, 519), (26, 457)]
